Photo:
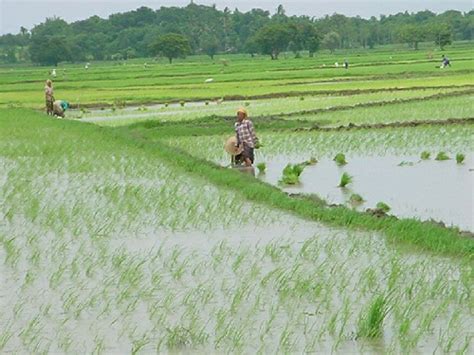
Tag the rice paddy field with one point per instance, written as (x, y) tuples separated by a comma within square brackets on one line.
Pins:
[(123, 228)]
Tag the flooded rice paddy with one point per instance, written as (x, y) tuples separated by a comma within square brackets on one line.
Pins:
[(414, 188), (126, 255)]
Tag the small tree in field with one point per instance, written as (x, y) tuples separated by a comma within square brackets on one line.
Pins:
[(441, 34), (273, 39), (172, 46), (210, 45), (412, 34), (331, 41)]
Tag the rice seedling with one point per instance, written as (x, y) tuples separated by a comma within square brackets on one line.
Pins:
[(340, 159), (261, 167), (425, 155), (291, 174), (370, 323), (356, 199), (382, 206), (182, 103), (460, 158), (442, 156), (345, 180)]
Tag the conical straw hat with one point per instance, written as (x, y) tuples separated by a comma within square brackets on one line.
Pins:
[(230, 147)]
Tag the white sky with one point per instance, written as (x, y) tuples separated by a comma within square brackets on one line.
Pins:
[(16, 13)]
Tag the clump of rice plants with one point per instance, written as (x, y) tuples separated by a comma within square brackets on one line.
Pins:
[(166, 104), (425, 155), (371, 320), (291, 174), (206, 103), (302, 98), (460, 158), (340, 159), (261, 167), (442, 156), (356, 199), (346, 179), (382, 206), (182, 103), (247, 104), (312, 161)]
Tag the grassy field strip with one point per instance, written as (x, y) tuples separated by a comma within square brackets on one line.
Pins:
[(258, 108), (202, 92), (367, 142), (95, 259)]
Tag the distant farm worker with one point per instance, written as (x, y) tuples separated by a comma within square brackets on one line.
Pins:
[(49, 96), (346, 64), (246, 138), (445, 62), (59, 107)]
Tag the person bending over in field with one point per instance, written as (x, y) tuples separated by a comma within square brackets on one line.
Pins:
[(49, 97), (59, 107), (246, 138)]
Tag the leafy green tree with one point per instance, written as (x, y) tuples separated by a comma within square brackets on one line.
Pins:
[(412, 35), (441, 34), (49, 42), (50, 50), (273, 39), (331, 41), (210, 45), (171, 46)]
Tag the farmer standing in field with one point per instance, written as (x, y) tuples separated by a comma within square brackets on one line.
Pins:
[(49, 97), (246, 137)]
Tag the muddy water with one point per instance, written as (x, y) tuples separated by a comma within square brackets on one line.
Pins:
[(438, 190)]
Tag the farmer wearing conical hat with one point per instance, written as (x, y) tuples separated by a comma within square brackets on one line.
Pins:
[(49, 96), (246, 138)]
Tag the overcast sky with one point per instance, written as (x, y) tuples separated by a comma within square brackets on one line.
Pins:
[(16, 13)]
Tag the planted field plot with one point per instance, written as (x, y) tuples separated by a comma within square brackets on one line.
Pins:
[(401, 105), (107, 248), (386, 165), (124, 230)]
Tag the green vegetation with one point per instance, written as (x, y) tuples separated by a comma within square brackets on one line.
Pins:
[(208, 31), (382, 206), (346, 179), (172, 46), (340, 159), (137, 239), (291, 174), (460, 158), (356, 199), (261, 167), (442, 156), (425, 155)]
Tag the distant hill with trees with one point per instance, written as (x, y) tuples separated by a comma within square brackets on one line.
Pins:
[(200, 29)]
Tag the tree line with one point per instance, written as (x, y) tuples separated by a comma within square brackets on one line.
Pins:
[(174, 32)]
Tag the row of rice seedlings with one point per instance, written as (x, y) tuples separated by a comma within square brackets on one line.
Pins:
[(286, 280)]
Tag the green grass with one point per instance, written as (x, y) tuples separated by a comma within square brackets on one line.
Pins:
[(345, 180), (133, 239)]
